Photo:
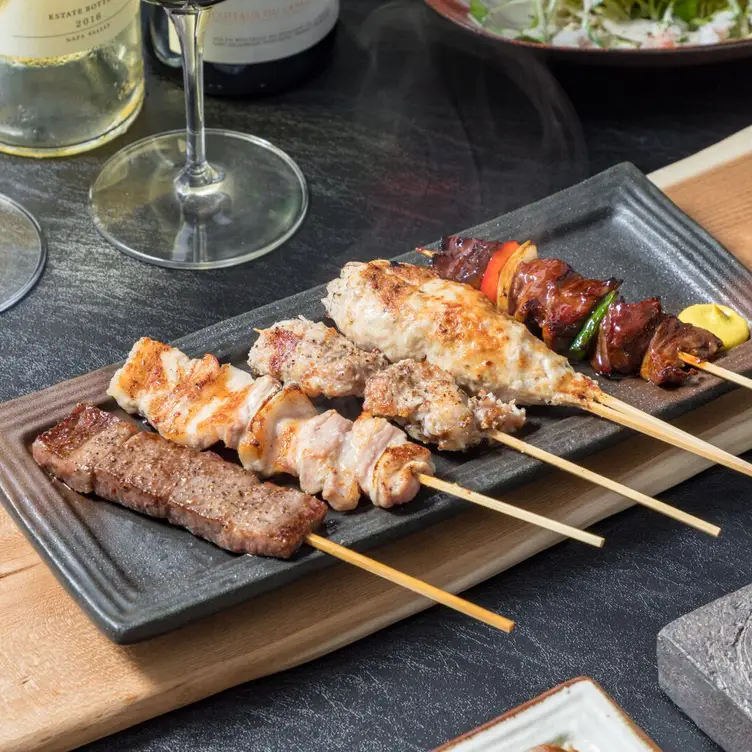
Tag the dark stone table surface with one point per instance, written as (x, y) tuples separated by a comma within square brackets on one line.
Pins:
[(415, 130)]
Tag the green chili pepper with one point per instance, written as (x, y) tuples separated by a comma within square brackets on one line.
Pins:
[(579, 347)]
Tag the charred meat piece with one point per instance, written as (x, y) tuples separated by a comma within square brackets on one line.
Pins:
[(386, 464), (624, 336), (73, 449), (569, 303), (661, 364), (464, 259), (315, 357), (321, 458), (549, 296), (93, 451), (527, 296), (428, 404)]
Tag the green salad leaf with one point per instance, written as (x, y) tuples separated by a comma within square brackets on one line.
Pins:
[(619, 23), (478, 10)]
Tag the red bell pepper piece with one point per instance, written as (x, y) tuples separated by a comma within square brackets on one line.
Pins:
[(490, 280)]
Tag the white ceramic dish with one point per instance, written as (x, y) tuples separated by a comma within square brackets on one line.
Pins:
[(577, 715)]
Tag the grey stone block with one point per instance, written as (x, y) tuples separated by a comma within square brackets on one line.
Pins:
[(705, 667)]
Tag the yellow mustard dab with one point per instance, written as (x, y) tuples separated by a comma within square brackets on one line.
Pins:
[(721, 320)]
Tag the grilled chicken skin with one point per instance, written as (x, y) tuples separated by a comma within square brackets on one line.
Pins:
[(196, 403), (408, 311)]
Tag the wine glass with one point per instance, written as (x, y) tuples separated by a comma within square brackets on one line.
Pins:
[(23, 252), (203, 198)]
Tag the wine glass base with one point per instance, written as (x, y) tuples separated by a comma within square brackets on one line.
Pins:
[(23, 252), (258, 204)]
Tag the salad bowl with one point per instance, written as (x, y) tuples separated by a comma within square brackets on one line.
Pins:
[(664, 46)]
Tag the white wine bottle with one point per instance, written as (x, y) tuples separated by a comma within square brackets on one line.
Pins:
[(252, 47), (71, 74)]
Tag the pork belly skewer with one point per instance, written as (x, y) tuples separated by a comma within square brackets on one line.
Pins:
[(420, 397), (277, 430), (407, 311), (93, 451)]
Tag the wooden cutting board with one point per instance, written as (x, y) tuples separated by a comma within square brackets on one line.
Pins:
[(62, 684)]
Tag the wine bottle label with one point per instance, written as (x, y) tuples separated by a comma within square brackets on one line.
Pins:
[(34, 29), (240, 32)]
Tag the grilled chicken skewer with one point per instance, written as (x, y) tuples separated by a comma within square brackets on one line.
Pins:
[(95, 452), (277, 429), (408, 311), (420, 397)]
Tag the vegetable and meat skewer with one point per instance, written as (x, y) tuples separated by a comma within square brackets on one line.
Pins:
[(93, 451), (277, 430), (583, 318), (407, 311), (420, 397)]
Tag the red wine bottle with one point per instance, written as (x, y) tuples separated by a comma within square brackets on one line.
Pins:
[(252, 47)]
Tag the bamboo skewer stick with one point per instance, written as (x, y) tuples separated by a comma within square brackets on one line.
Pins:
[(411, 583), (720, 372), (620, 412), (601, 480), (517, 512), (427, 252)]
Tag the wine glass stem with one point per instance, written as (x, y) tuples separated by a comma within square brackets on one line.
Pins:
[(190, 27)]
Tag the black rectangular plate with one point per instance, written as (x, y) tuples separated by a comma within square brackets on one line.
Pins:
[(138, 577)]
